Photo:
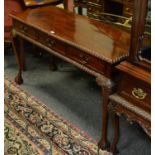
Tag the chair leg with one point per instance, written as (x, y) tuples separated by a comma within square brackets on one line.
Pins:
[(115, 123)]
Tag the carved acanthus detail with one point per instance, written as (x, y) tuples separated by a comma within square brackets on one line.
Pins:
[(104, 81), (129, 116)]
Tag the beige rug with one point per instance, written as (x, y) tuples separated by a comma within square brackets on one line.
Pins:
[(31, 128)]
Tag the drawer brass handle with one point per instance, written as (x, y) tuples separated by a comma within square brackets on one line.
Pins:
[(50, 42), (84, 62), (139, 93)]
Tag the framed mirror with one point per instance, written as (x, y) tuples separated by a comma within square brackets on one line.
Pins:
[(140, 49), (117, 12), (144, 52), (131, 15)]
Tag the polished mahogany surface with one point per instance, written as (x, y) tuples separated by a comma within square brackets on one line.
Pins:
[(101, 40), (138, 72)]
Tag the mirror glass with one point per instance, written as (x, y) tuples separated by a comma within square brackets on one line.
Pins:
[(117, 12), (145, 49)]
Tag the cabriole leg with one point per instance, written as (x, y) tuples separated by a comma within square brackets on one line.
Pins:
[(16, 42), (115, 123), (107, 86)]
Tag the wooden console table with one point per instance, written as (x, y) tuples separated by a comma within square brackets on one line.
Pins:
[(90, 45)]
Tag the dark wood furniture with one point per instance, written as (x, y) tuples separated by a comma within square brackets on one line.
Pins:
[(11, 6), (133, 99), (90, 45), (133, 96)]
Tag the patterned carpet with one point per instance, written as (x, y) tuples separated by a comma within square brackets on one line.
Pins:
[(31, 128)]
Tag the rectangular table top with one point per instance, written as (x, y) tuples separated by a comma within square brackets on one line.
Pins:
[(99, 39)]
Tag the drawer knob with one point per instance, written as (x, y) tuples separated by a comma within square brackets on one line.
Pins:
[(50, 42), (139, 93), (24, 28), (85, 59)]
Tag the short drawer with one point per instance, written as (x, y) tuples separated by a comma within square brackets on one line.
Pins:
[(52, 43), (86, 59), (136, 91), (25, 29)]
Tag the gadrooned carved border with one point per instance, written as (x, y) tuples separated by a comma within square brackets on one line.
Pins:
[(114, 106)]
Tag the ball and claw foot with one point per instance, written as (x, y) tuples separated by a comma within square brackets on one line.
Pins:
[(18, 79), (114, 152)]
